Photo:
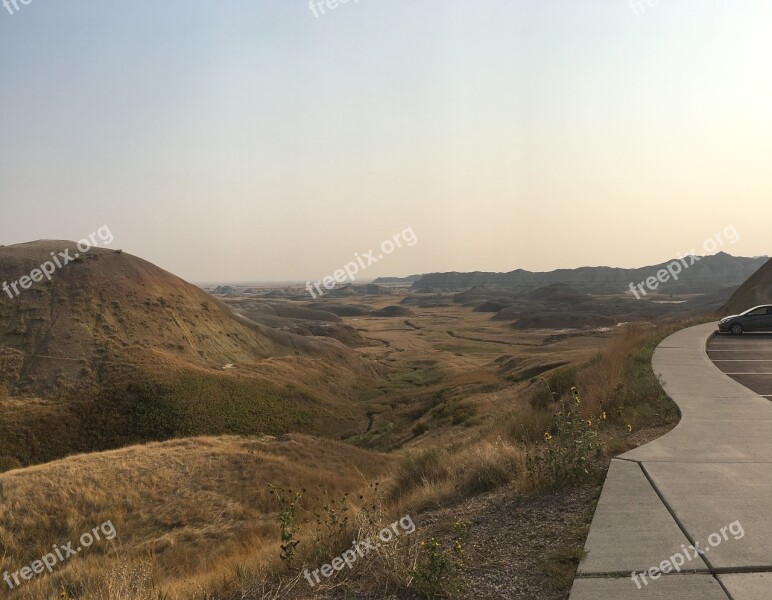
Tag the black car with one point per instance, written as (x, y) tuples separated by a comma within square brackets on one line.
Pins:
[(755, 319)]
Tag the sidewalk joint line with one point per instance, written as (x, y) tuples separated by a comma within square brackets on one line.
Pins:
[(686, 533)]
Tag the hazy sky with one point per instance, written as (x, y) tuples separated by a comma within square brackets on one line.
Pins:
[(251, 140)]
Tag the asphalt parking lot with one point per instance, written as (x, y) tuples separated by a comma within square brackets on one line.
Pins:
[(746, 358)]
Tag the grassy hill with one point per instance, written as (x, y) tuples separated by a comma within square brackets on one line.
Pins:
[(114, 350), (188, 512), (111, 306)]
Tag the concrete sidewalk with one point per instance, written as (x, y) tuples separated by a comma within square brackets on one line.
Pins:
[(707, 484)]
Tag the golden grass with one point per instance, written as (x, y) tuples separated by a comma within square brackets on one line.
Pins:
[(189, 512), (602, 379), (195, 517), (438, 475), (619, 376)]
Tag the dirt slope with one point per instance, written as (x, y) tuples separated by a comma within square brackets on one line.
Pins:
[(757, 290), (112, 306)]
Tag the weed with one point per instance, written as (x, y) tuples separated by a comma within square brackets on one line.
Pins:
[(571, 446), (419, 429), (288, 502), (436, 574)]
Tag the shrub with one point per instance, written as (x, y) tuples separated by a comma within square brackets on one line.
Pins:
[(419, 429)]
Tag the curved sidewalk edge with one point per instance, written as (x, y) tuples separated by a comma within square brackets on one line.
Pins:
[(706, 484)]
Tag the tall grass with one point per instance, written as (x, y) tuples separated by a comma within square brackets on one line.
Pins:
[(190, 514)]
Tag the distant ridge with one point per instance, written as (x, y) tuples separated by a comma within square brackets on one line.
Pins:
[(408, 279), (704, 276)]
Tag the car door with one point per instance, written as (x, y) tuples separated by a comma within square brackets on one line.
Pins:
[(756, 320)]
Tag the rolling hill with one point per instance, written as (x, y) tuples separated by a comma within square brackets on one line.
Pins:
[(194, 507), (114, 350)]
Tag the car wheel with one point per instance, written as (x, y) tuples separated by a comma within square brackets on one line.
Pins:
[(737, 329)]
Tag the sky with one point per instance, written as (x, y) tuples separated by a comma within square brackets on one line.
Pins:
[(261, 140)]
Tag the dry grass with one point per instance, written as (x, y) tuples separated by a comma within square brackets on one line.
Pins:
[(438, 476), (603, 376), (196, 519), (618, 380), (194, 513)]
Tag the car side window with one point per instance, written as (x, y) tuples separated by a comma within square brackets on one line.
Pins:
[(759, 312)]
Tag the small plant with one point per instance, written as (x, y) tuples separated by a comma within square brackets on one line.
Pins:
[(371, 511), (558, 384), (436, 573), (419, 429), (571, 445), (332, 524), (67, 592), (288, 503)]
